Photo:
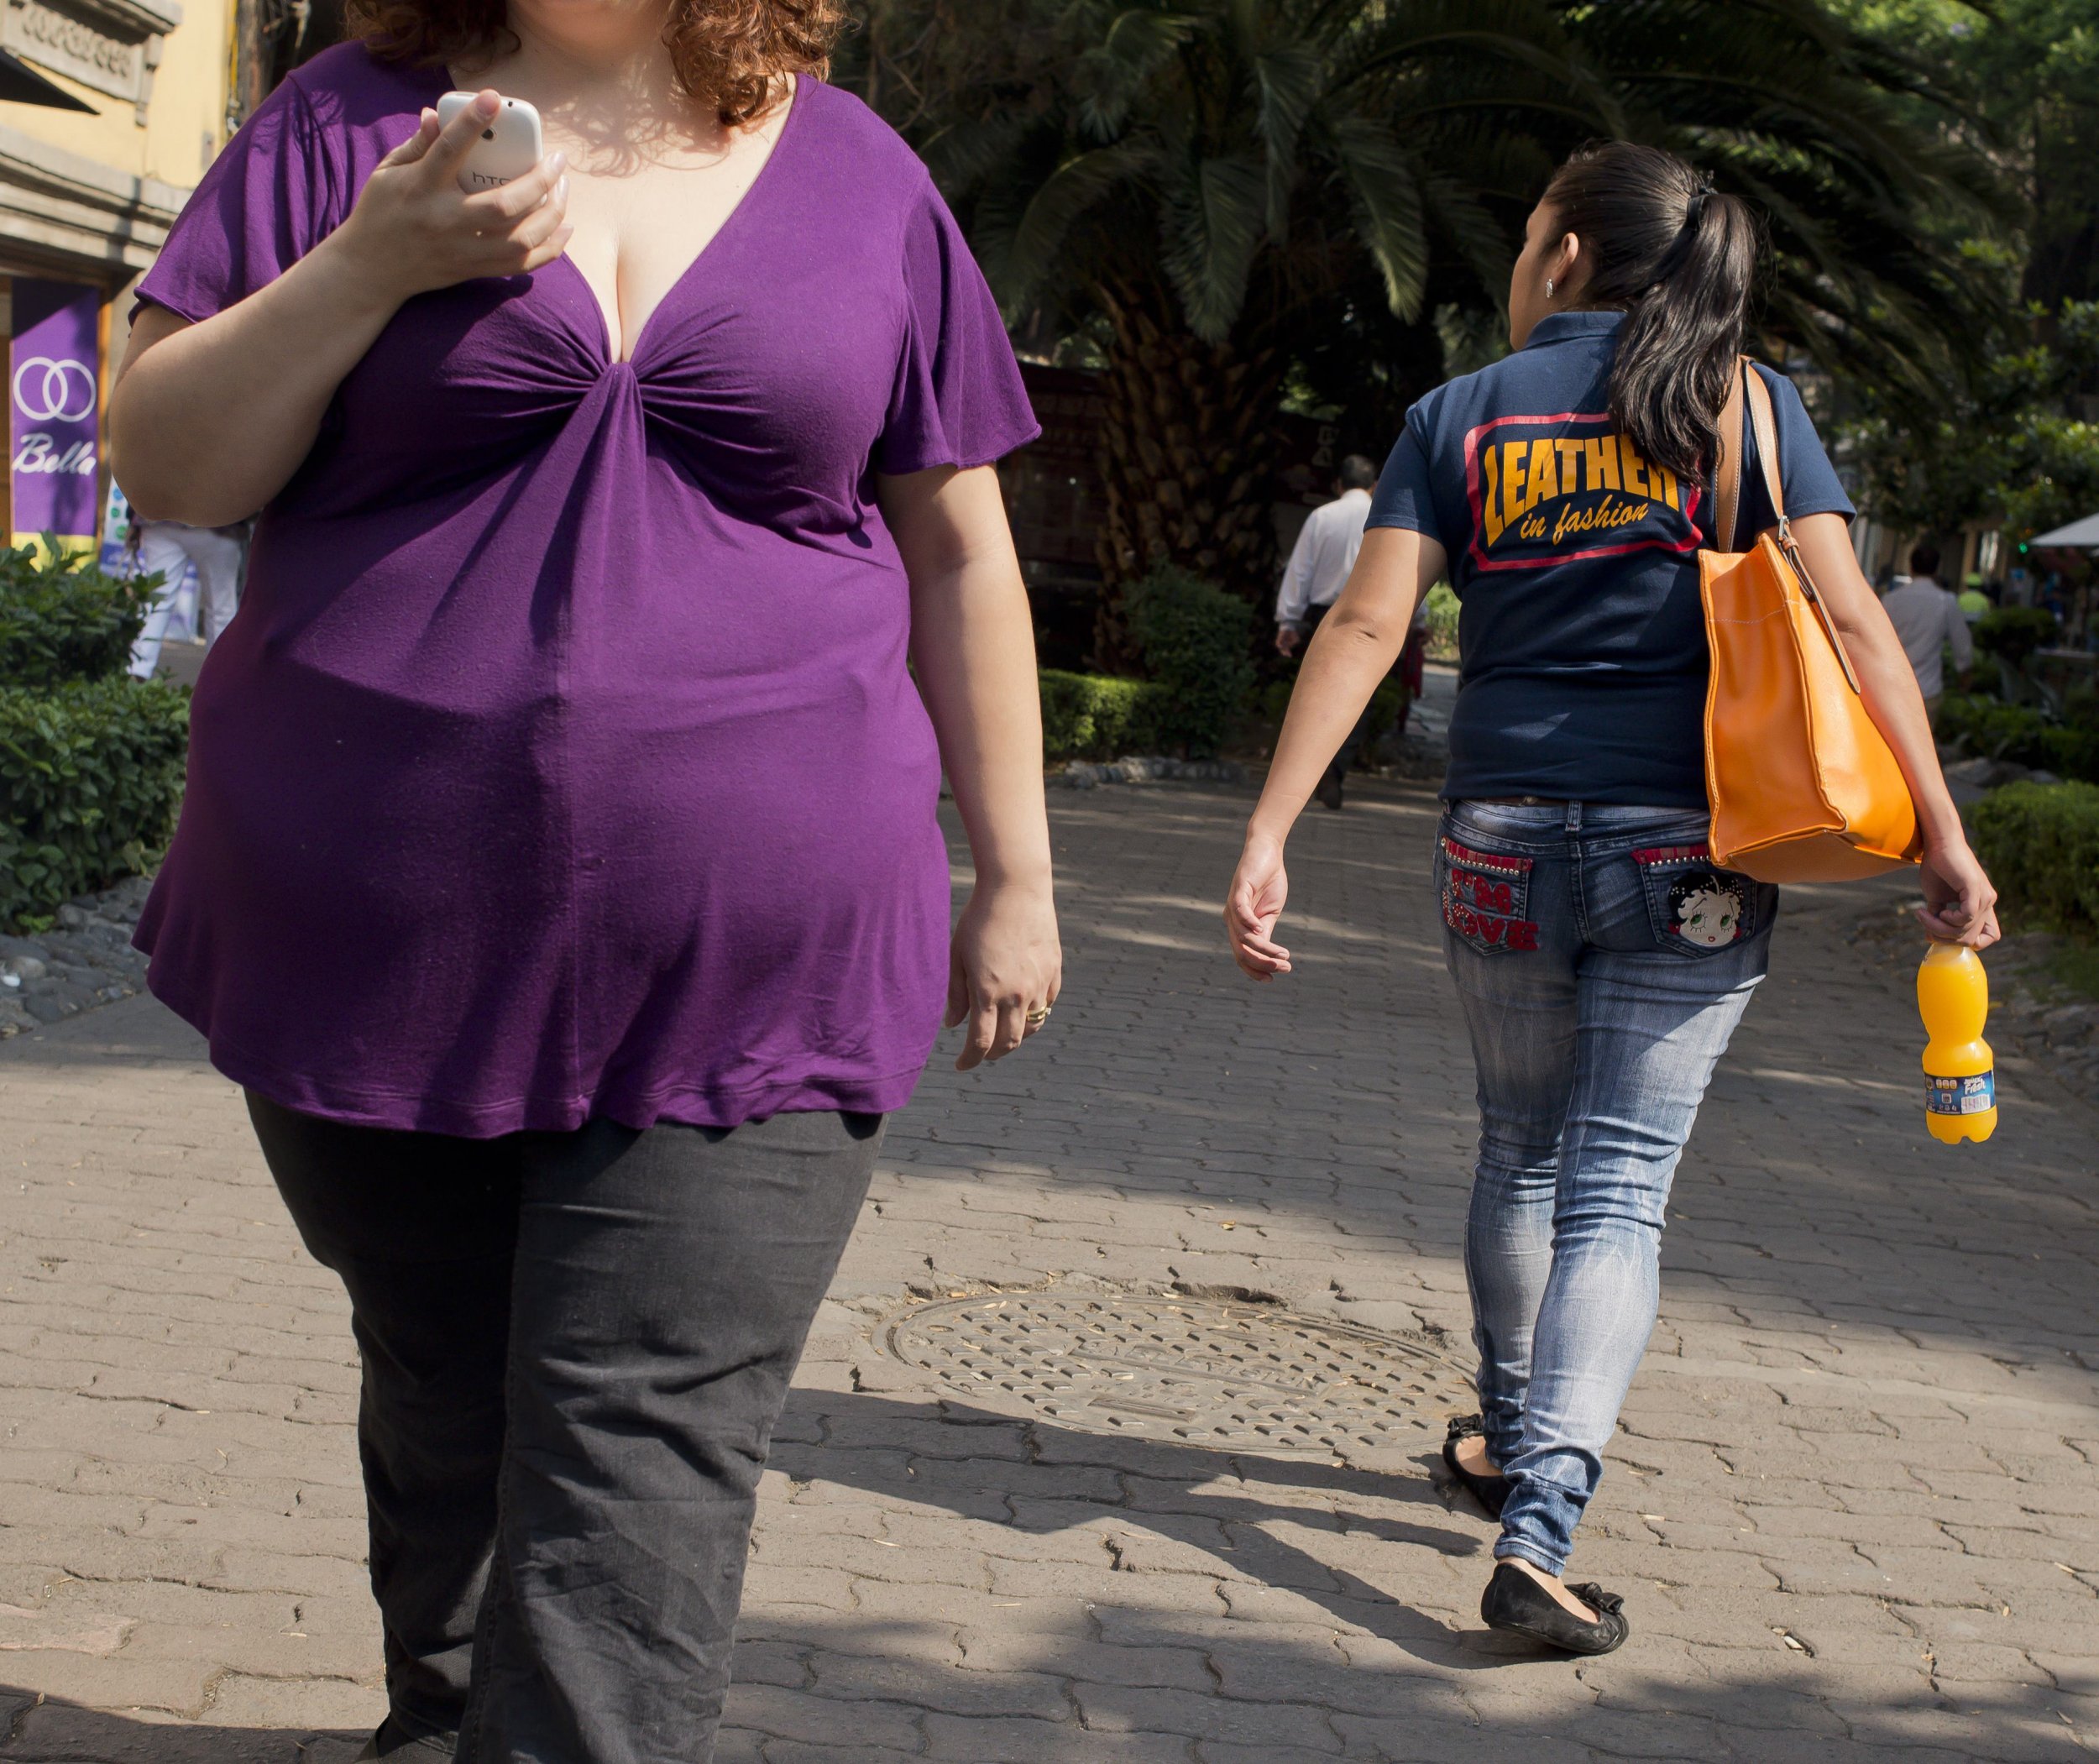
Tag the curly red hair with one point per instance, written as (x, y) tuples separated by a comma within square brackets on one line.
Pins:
[(731, 53)]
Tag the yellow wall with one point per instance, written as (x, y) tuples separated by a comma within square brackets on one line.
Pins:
[(186, 121)]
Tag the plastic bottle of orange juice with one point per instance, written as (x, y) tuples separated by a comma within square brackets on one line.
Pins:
[(1952, 994)]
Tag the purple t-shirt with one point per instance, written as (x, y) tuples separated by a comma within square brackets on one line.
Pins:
[(564, 760)]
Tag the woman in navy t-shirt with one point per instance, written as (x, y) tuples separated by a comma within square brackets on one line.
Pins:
[(1602, 959)]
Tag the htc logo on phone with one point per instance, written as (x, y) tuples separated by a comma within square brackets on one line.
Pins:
[(511, 146)]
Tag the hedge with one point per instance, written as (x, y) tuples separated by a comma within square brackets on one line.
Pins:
[(2041, 843), (2015, 632), (1087, 716), (2024, 736), (62, 619), (91, 776), (1443, 609), (1195, 640)]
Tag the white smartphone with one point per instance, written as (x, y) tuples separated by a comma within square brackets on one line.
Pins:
[(511, 146)]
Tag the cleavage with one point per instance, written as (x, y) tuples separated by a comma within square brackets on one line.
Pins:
[(640, 230)]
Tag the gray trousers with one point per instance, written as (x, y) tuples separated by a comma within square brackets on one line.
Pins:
[(575, 1347)]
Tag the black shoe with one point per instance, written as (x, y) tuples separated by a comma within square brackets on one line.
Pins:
[(393, 1747), (1513, 1601), (1329, 790), (1491, 1492)]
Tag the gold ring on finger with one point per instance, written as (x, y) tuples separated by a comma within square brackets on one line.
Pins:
[(1036, 1019)]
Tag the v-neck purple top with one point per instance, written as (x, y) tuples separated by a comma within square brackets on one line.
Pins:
[(563, 761)]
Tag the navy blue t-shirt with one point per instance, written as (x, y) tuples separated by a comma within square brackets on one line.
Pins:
[(1582, 631)]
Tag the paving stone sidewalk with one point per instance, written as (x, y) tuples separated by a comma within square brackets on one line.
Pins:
[(1854, 1509)]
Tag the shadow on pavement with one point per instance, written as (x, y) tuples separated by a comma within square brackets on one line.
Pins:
[(1349, 1665), (1210, 1507), (50, 1731)]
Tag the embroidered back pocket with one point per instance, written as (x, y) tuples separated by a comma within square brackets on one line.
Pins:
[(1486, 898), (1696, 910)]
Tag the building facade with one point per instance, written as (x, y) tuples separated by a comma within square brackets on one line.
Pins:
[(110, 110)]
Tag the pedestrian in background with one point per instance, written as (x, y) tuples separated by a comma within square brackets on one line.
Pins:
[(1319, 565), (560, 869), (1601, 959), (1928, 620), (166, 548)]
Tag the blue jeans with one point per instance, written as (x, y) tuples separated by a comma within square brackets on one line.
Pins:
[(1602, 963)]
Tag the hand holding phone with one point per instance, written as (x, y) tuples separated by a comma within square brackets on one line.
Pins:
[(413, 230), (510, 145)]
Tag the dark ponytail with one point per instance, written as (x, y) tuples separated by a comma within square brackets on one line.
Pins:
[(1677, 256)]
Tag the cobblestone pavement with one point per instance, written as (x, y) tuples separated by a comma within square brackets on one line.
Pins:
[(1854, 1509)]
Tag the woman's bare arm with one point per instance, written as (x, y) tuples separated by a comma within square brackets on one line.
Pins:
[(1959, 903), (207, 422), (1352, 650), (973, 650)]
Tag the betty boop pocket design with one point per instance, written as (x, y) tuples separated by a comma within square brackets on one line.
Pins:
[(1695, 908), (1707, 910)]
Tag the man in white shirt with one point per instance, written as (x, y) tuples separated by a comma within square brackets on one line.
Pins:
[(1317, 571), (1324, 554), (1928, 619)]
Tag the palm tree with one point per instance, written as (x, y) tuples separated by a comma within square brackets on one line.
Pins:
[(1195, 185), (1871, 178)]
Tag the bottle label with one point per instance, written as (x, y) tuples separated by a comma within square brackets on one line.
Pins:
[(1974, 1094)]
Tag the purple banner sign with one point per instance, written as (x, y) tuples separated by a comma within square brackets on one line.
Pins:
[(55, 392)]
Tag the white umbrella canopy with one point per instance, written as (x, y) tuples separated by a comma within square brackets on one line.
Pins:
[(2077, 534)]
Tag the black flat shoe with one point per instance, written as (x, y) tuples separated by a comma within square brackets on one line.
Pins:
[(1513, 1601), (1491, 1492), (392, 1746)]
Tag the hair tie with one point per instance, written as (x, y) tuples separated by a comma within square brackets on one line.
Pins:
[(1694, 210)]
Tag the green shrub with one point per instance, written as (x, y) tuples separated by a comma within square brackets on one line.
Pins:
[(2024, 736), (62, 619), (2041, 843), (1989, 727), (91, 774), (1386, 702), (1442, 623), (1088, 717), (1195, 641), (2072, 752), (2013, 633)]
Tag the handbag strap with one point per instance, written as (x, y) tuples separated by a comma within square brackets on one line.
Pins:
[(1766, 427), (1727, 472), (1748, 385)]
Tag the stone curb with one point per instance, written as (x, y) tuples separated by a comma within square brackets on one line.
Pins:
[(1138, 769), (84, 960)]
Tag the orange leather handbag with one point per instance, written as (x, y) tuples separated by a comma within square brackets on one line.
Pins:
[(1803, 786)]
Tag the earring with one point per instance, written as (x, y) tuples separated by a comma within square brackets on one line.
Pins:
[(1548, 287)]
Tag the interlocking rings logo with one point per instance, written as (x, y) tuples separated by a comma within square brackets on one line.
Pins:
[(55, 390)]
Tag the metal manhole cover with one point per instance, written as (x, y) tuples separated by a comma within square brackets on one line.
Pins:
[(1189, 1370)]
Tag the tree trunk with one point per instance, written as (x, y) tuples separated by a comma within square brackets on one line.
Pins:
[(1187, 456)]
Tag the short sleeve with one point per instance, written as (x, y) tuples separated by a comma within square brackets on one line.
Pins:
[(1811, 483), (959, 399), (1404, 497), (267, 200)]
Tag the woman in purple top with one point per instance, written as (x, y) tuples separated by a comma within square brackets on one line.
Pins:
[(559, 872)]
